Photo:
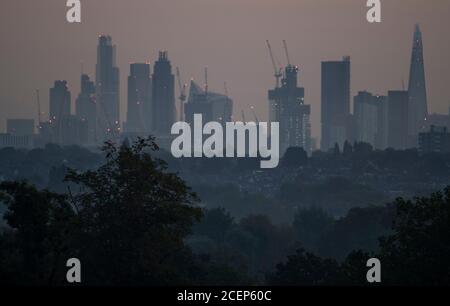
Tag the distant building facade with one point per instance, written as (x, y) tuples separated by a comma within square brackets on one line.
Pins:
[(74, 131), (59, 106), (107, 90), (163, 96), (16, 141), (60, 99), (62, 127), (86, 107), (371, 119), (336, 121), (436, 140), (213, 106), (366, 116), (45, 134), (437, 120), (398, 102), (20, 127), (139, 113)]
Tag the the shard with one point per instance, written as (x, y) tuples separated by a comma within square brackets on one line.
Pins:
[(417, 109)]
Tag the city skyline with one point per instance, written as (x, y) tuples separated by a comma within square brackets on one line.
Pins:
[(18, 99)]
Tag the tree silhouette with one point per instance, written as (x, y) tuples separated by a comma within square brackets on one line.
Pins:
[(309, 226), (134, 218), (306, 269), (215, 224), (417, 252), (126, 222), (34, 249), (294, 157)]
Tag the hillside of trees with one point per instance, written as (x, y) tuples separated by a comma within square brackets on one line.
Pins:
[(132, 219)]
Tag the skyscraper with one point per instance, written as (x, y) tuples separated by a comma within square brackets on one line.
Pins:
[(381, 139), (59, 109), (366, 116), (418, 109), (139, 115), (107, 90), (287, 106), (59, 101), (213, 106), (163, 96), (398, 119), (86, 108), (370, 113), (335, 112), (62, 127)]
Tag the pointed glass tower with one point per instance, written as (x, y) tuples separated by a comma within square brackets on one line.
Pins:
[(417, 108)]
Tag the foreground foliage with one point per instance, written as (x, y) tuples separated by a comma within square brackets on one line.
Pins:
[(126, 223), (132, 222)]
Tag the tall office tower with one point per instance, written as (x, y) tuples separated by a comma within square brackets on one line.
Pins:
[(107, 90), (370, 114), (287, 106), (381, 138), (398, 102), (336, 120), (139, 114), (59, 110), (163, 96), (213, 106), (418, 109), (366, 116), (86, 107), (59, 101)]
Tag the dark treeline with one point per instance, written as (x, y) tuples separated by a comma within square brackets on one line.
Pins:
[(132, 220), (256, 245)]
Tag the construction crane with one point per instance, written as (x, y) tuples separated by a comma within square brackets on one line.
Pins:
[(182, 87), (38, 101), (277, 71), (206, 81), (286, 52)]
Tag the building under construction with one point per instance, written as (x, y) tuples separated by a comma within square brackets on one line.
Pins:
[(287, 106)]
